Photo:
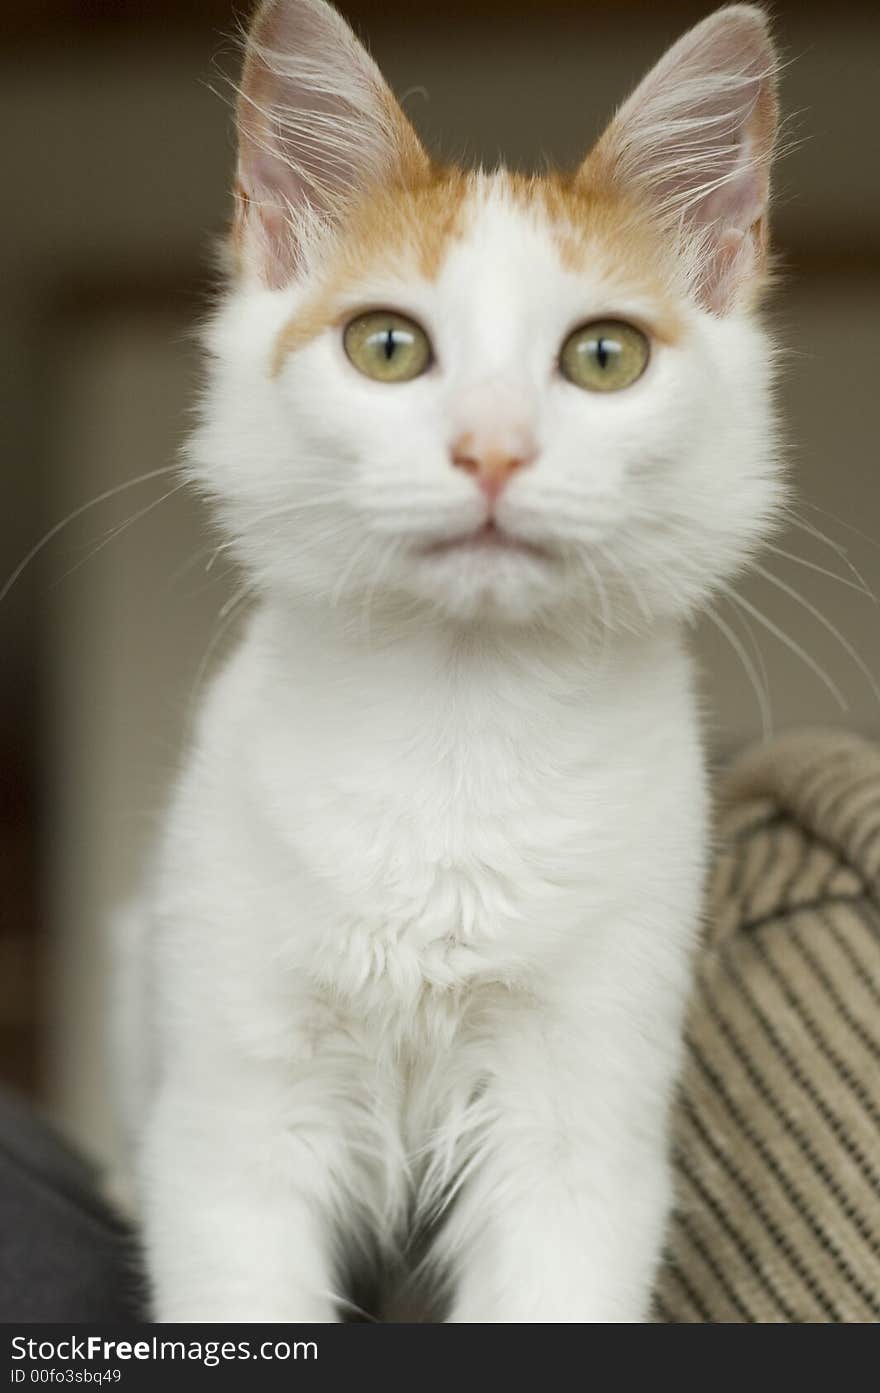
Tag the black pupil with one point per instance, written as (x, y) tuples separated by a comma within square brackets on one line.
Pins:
[(389, 344), (602, 354)]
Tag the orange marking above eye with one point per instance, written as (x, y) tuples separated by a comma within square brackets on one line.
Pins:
[(414, 224)]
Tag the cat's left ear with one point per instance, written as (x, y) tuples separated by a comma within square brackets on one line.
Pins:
[(693, 146), (318, 127)]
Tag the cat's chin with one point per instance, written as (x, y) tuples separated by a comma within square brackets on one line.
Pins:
[(488, 576)]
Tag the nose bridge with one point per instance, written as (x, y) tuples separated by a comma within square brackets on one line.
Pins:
[(496, 396), (496, 418)]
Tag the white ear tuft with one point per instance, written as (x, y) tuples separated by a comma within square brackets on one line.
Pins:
[(694, 144), (317, 127)]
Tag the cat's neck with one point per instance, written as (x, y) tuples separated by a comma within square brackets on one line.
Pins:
[(328, 647)]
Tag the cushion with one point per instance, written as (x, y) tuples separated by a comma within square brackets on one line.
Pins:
[(777, 1132)]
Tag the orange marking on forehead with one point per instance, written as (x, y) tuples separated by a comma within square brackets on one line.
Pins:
[(590, 223), (401, 224), (415, 223)]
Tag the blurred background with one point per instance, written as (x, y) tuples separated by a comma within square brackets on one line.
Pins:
[(118, 152)]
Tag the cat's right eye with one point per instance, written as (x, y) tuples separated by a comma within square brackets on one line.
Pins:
[(387, 346), (604, 356)]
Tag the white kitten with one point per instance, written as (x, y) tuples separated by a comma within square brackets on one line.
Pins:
[(420, 922)]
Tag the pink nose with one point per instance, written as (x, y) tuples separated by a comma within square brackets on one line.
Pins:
[(491, 462)]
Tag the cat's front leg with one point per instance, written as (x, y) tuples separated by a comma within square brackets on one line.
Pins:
[(239, 1175), (562, 1215)]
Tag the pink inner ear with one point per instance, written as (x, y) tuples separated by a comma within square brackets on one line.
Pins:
[(740, 201), (317, 126), (694, 143), (734, 217)]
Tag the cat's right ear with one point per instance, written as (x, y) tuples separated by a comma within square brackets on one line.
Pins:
[(694, 145), (318, 127)]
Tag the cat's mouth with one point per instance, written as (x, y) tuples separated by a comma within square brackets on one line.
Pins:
[(489, 539)]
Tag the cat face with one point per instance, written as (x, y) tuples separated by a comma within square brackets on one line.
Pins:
[(487, 397)]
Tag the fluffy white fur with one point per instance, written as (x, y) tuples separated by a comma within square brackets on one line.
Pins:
[(416, 944)]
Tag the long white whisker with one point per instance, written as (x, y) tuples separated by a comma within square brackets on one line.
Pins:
[(751, 639), (825, 622), (865, 536), (71, 517), (762, 695), (830, 542), (822, 570), (117, 531), (212, 552), (790, 643)]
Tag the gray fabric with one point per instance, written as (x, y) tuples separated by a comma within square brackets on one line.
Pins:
[(63, 1255)]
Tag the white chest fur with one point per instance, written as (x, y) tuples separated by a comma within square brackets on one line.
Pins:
[(420, 817)]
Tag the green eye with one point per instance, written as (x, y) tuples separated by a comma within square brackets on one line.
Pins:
[(604, 356), (387, 346)]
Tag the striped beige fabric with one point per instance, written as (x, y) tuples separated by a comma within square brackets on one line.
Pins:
[(777, 1142)]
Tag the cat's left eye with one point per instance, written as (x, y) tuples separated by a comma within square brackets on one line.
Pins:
[(604, 356), (387, 346)]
